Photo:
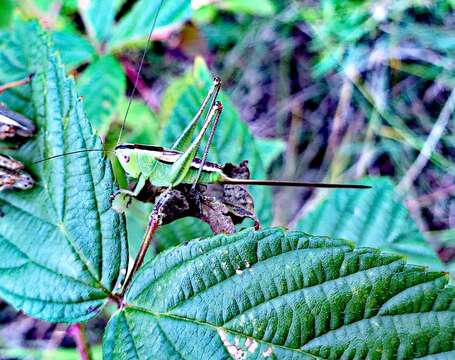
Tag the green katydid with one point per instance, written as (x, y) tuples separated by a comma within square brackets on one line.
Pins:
[(179, 165)]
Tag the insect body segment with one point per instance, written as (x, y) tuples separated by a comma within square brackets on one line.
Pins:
[(155, 164)]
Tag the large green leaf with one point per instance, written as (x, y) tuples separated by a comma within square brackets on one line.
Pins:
[(282, 295), (74, 49), (63, 248), (135, 26), (374, 217), (102, 85), (98, 17), (233, 142)]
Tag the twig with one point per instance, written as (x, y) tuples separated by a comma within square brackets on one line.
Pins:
[(340, 116), (15, 83), (77, 332), (429, 145), (155, 221), (428, 199)]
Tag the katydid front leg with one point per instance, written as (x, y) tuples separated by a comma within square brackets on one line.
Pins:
[(121, 199)]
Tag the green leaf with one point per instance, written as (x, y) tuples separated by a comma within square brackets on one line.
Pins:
[(74, 49), (172, 234), (102, 86), (62, 246), (233, 142), (98, 17), (282, 295), (135, 26), (6, 13), (374, 217), (269, 149), (251, 7), (142, 124)]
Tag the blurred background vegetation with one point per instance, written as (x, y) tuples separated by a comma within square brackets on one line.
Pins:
[(330, 90)]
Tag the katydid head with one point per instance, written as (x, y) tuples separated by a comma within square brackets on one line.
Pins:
[(128, 158)]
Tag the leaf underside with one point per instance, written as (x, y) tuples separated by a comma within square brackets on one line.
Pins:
[(62, 246), (373, 217), (282, 295)]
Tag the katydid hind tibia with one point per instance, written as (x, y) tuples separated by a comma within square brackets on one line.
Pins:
[(179, 165)]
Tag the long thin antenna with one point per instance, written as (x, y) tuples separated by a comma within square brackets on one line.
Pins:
[(68, 153), (141, 64)]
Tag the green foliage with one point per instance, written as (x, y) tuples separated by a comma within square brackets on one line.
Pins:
[(74, 49), (252, 7), (375, 218), (342, 29), (269, 293), (135, 26), (282, 295), (98, 17), (63, 246), (269, 150), (232, 142), (102, 85), (6, 14)]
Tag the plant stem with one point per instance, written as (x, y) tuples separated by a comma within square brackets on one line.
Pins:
[(14, 84), (429, 145), (143, 90), (155, 221), (77, 332), (151, 229)]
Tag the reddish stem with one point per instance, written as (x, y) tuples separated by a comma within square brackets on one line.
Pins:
[(145, 92), (14, 84), (153, 225), (77, 332)]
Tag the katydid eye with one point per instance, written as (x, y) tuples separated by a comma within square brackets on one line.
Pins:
[(126, 158)]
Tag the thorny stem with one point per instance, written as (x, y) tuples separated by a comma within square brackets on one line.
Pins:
[(78, 333)]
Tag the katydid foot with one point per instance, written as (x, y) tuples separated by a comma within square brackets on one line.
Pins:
[(121, 200)]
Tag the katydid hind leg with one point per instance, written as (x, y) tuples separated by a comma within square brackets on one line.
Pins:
[(181, 166), (209, 142), (184, 140)]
